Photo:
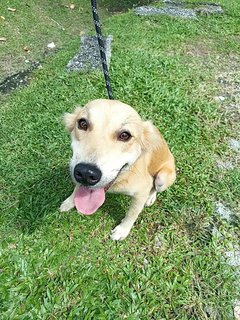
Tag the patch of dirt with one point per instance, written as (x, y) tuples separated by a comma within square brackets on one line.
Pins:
[(19, 79), (230, 84), (232, 113), (229, 88), (9, 63), (200, 49)]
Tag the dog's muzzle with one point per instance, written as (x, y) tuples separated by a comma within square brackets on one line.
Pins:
[(87, 174)]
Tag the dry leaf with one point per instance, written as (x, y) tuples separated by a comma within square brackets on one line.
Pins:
[(237, 310), (3, 39), (12, 246), (51, 45), (2, 17), (11, 9), (70, 6)]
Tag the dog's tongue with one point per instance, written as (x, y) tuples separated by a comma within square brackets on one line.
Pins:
[(87, 201)]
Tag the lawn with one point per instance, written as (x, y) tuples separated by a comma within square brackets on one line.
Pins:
[(172, 265)]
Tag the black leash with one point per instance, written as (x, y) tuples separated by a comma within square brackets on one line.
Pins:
[(101, 48)]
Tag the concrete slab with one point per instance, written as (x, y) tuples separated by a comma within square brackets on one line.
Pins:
[(225, 164), (89, 56), (181, 9), (233, 257), (223, 211), (234, 144), (208, 9), (170, 11)]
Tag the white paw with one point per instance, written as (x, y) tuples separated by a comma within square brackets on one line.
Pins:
[(161, 188), (119, 233), (151, 199), (67, 205)]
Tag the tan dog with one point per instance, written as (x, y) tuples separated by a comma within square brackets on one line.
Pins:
[(115, 150)]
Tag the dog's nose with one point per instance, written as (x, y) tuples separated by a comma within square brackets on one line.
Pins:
[(87, 174)]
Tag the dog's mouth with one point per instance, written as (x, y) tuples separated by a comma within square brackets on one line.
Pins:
[(87, 201)]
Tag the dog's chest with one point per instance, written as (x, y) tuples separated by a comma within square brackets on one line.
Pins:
[(123, 187)]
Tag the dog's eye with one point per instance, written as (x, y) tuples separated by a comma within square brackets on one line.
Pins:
[(83, 124), (124, 136)]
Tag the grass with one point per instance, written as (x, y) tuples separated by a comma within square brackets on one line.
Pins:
[(34, 25), (64, 266)]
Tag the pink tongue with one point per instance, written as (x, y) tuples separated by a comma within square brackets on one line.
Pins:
[(87, 201)]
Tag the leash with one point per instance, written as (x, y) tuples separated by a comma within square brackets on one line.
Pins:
[(101, 48)]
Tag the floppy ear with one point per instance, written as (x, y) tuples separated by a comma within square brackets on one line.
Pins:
[(70, 118), (69, 121), (151, 138)]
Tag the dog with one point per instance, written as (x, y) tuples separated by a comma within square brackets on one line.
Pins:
[(114, 150)]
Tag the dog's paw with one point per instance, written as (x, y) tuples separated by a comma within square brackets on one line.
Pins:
[(67, 205), (119, 233), (151, 199)]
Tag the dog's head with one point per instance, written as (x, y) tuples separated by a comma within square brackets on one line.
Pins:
[(108, 136)]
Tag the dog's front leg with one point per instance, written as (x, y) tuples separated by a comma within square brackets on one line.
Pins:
[(69, 202), (123, 229)]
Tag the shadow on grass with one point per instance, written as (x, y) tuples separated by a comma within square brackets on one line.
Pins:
[(43, 197), (116, 207)]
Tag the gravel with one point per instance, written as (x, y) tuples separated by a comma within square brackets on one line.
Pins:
[(88, 57)]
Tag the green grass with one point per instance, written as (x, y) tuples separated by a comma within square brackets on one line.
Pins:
[(64, 266)]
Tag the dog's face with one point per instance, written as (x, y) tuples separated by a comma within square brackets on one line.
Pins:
[(107, 138)]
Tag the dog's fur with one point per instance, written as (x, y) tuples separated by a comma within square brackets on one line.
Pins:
[(140, 167)]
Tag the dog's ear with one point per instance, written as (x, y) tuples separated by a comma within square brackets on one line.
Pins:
[(69, 119), (151, 138)]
